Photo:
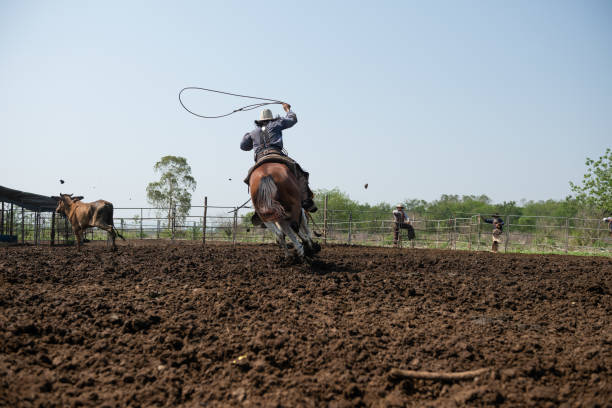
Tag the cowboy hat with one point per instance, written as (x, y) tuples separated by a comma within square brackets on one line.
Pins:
[(266, 114), (399, 206)]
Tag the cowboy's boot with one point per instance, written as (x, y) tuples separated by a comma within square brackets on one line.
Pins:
[(307, 202)]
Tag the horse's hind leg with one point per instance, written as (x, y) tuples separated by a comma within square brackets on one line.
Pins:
[(280, 236), (286, 228)]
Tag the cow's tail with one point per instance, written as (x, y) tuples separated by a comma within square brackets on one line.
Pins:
[(109, 218), (117, 232), (268, 207)]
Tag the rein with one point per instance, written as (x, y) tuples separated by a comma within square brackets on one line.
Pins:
[(242, 109)]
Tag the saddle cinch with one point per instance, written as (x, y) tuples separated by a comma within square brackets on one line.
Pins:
[(274, 158)]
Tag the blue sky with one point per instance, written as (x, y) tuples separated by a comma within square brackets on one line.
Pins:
[(417, 99)]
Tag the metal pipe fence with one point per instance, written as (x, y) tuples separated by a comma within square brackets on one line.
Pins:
[(213, 223)]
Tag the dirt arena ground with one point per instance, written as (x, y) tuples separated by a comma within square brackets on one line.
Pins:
[(165, 324)]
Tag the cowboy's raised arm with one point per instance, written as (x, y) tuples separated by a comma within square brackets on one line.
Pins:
[(290, 119), (247, 142)]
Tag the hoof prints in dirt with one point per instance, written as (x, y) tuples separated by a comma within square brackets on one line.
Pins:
[(168, 325)]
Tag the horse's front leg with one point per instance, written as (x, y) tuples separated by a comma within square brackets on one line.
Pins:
[(306, 236)]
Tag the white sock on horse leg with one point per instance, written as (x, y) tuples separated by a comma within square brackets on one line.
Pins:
[(286, 228), (280, 236)]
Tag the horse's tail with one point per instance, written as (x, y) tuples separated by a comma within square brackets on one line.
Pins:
[(267, 206)]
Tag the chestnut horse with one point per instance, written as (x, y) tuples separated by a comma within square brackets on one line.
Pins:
[(276, 198)]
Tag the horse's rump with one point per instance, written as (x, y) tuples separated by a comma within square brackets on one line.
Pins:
[(273, 158), (266, 200)]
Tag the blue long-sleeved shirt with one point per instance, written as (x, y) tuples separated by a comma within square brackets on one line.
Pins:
[(254, 140), (498, 221)]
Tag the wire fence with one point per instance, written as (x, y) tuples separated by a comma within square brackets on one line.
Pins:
[(213, 223)]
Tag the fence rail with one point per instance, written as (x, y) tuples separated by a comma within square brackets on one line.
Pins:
[(232, 224)]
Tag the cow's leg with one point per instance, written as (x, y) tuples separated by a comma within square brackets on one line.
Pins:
[(78, 237), (280, 236), (286, 228), (111, 234)]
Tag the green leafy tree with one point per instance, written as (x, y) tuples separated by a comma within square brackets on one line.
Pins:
[(174, 186), (596, 188)]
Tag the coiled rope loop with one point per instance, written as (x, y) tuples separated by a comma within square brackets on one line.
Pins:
[(244, 108)]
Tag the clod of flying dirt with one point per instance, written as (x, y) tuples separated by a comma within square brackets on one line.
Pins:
[(114, 318), (239, 393), (242, 362)]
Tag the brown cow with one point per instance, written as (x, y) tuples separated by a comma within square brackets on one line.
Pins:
[(85, 215)]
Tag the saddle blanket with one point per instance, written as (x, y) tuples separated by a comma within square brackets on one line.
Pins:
[(273, 158)]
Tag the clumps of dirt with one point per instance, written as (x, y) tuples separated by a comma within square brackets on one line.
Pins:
[(163, 324)]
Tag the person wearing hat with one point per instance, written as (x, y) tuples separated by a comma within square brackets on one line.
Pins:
[(498, 229), (267, 138), (401, 221)]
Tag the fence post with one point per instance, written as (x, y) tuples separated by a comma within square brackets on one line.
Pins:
[(122, 228), (204, 221), (11, 221), (566, 235), (455, 232), (141, 236), (349, 227), (324, 220), (22, 225), (36, 214), (234, 226), (195, 227), (479, 232), (507, 233), (470, 235), (158, 229), (2, 220), (53, 228), (173, 221)]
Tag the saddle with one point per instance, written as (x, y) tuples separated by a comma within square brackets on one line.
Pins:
[(273, 158)]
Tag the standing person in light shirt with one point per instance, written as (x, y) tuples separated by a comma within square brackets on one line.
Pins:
[(401, 221), (609, 221)]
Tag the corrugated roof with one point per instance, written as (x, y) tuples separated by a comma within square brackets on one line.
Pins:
[(29, 201)]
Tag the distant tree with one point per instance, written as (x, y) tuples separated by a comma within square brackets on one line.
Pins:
[(596, 188), (451, 205), (174, 186)]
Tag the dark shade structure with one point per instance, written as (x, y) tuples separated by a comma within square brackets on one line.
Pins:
[(29, 201)]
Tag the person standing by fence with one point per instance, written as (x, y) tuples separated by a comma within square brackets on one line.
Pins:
[(498, 229), (609, 221), (401, 221)]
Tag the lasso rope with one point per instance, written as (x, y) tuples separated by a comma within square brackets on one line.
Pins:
[(244, 108)]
